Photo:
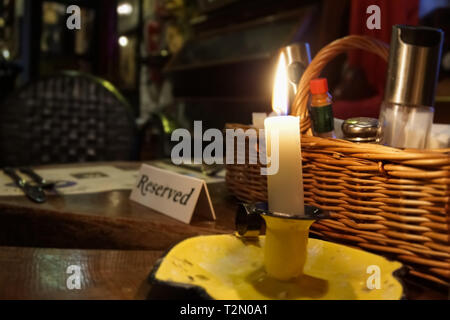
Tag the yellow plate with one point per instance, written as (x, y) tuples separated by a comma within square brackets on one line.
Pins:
[(226, 267)]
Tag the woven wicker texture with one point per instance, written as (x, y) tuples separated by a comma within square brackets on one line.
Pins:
[(381, 199), (64, 119)]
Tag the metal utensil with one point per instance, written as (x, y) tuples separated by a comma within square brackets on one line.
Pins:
[(33, 192), (41, 182)]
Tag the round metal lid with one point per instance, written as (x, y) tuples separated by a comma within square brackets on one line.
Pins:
[(361, 129)]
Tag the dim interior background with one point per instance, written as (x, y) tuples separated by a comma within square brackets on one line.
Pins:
[(146, 67)]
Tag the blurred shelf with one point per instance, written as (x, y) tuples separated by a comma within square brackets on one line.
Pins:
[(222, 99), (156, 60)]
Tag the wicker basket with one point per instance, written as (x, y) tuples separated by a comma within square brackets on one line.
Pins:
[(390, 201)]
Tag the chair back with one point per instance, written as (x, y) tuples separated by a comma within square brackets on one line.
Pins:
[(67, 118)]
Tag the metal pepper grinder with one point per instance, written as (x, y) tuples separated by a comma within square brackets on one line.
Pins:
[(407, 112)]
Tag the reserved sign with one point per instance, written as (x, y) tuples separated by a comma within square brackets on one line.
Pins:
[(175, 195)]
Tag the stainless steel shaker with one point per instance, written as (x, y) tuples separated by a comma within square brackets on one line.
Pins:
[(407, 112), (298, 57)]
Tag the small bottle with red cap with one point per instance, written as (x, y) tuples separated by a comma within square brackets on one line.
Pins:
[(321, 110)]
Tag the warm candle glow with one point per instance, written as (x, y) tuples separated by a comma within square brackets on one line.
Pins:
[(280, 96), (282, 132), (284, 184)]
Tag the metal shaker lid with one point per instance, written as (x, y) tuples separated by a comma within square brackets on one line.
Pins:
[(298, 57), (360, 129), (414, 61)]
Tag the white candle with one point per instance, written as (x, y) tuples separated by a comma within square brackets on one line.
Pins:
[(285, 187)]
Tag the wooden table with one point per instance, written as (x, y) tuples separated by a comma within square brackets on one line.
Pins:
[(39, 273), (124, 238), (106, 220)]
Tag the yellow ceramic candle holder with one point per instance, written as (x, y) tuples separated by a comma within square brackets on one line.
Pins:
[(284, 264), (286, 240), (286, 237)]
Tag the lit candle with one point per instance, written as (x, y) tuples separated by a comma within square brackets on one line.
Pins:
[(285, 187)]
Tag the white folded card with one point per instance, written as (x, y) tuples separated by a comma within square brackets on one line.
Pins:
[(175, 195)]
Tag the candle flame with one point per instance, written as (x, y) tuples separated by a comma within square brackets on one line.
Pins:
[(280, 95)]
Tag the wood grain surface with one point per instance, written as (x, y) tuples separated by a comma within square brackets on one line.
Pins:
[(107, 220), (104, 223), (39, 273)]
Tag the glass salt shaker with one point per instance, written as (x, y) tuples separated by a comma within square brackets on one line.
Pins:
[(407, 111)]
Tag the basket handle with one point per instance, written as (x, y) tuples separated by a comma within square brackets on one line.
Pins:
[(326, 54)]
